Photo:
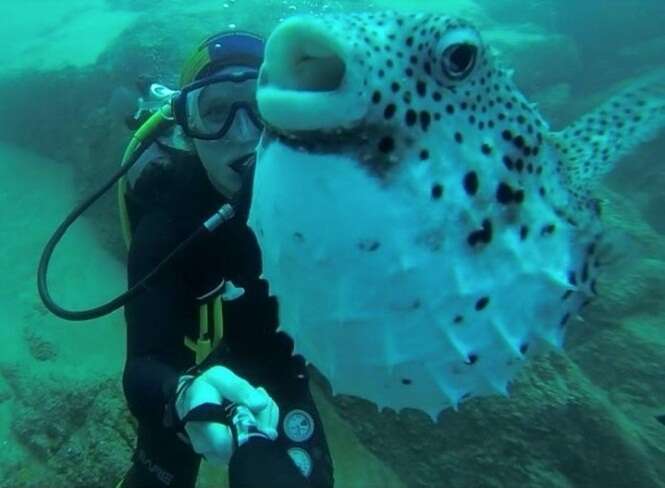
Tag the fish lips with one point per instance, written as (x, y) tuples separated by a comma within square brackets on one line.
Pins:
[(314, 141)]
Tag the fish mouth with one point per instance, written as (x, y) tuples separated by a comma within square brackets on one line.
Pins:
[(309, 83)]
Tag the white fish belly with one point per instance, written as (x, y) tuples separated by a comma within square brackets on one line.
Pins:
[(381, 291)]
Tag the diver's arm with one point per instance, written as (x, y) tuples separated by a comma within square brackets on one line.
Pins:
[(154, 322)]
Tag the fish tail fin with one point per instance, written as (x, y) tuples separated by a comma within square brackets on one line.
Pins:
[(591, 147)]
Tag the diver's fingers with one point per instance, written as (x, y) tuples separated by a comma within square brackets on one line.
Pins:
[(267, 418), (234, 388)]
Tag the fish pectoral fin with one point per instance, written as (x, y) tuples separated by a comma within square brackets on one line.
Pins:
[(591, 147)]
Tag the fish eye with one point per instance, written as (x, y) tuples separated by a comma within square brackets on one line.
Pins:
[(458, 60), (458, 54)]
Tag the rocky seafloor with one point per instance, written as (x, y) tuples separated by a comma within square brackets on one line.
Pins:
[(583, 418)]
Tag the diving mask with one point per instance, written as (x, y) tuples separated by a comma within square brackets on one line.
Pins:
[(206, 109)]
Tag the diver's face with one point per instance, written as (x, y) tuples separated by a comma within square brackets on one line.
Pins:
[(219, 157)]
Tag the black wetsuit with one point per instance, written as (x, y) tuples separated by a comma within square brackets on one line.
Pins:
[(166, 205)]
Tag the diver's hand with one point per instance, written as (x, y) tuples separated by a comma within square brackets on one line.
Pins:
[(214, 440)]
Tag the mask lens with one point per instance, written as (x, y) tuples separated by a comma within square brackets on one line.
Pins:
[(211, 108)]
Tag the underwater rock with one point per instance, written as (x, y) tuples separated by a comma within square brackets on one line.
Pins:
[(79, 432), (654, 212), (40, 348), (556, 430), (635, 276), (34, 418)]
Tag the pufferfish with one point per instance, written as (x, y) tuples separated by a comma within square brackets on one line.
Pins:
[(423, 228)]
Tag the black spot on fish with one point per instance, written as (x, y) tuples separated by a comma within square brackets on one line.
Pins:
[(482, 303), (518, 196), (564, 320), (572, 278), (519, 165), (389, 112), (406, 381), (411, 117), (387, 145), (567, 295), (425, 120), (548, 230), (471, 183), (471, 359), (504, 194), (437, 191), (481, 236), (369, 246), (519, 142)]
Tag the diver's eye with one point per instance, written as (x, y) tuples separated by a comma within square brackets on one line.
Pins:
[(216, 111), (458, 60)]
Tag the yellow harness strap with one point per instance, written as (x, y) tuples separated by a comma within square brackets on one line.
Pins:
[(211, 329)]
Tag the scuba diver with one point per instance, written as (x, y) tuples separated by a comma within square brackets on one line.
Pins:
[(206, 375), (204, 331)]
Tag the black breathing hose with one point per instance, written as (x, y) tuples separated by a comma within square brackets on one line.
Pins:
[(57, 236), (224, 214)]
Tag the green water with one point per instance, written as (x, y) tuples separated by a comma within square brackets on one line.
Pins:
[(580, 419)]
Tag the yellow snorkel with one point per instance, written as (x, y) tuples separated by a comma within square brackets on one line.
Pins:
[(156, 125)]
